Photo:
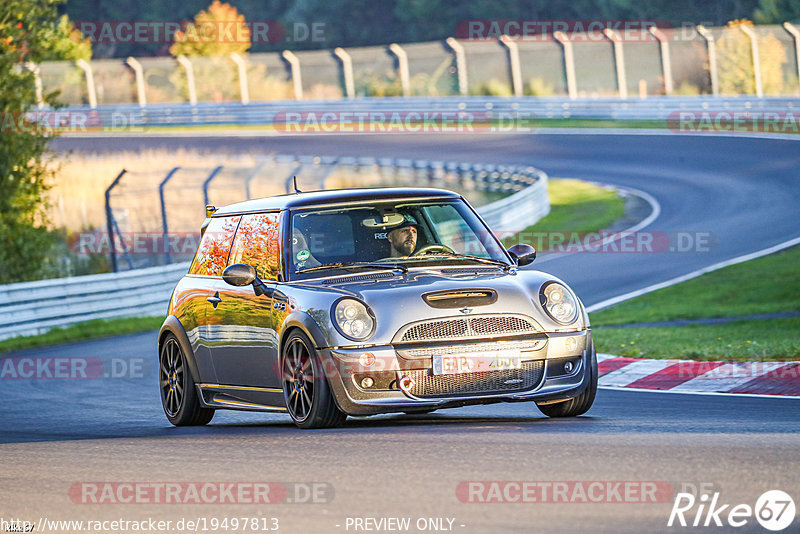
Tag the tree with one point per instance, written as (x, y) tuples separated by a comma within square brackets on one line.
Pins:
[(777, 11), (31, 32), (736, 61), (219, 31)]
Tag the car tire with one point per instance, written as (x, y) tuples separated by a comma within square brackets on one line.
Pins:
[(306, 391), (177, 387), (577, 405)]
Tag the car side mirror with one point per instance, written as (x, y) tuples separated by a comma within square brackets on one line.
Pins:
[(239, 274), (523, 254)]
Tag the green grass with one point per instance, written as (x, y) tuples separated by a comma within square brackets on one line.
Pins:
[(765, 285), (576, 207), (771, 340), (96, 328)]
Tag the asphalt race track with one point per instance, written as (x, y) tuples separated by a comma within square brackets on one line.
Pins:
[(743, 192)]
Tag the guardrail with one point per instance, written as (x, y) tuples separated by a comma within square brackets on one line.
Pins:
[(276, 114), (35, 307)]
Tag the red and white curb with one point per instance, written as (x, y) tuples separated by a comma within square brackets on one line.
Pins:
[(687, 376)]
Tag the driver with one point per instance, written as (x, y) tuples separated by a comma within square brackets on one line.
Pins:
[(403, 238)]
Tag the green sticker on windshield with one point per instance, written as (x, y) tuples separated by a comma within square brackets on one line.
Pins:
[(303, 255)]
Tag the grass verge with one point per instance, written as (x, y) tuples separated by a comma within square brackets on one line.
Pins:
[(96, 328), (576, 208), (764, 285)]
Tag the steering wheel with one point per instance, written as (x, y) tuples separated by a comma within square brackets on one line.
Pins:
[(435, 247)]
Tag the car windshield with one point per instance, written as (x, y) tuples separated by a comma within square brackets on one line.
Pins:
[(386, 234)]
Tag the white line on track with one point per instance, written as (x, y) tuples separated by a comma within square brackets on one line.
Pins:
[(752, 395), (694, 274), (647, 197)]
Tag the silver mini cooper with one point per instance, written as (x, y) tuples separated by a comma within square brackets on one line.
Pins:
[(367, 301)]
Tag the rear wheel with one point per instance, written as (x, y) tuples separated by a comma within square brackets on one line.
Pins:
[(308, 396), (178, 394), (577, 405)]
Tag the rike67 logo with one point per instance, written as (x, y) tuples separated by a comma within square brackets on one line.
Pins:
[(774, 510)]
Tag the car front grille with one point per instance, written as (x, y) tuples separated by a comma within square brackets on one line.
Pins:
[(477, 349), (426, 384), (467, 327)]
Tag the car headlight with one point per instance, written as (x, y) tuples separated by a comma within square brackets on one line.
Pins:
[(559, 303), (353, 319)]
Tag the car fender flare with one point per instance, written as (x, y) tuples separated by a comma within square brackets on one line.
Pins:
[(308, 325), (173, 326)]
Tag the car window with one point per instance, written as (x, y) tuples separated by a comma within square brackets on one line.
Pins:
[(369, 233), (212, 254), (257, 244), (452, 230)]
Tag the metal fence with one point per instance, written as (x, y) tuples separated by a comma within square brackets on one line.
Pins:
[(154, 218), (681, 61)]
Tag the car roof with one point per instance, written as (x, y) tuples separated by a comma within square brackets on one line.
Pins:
[(332, 197)]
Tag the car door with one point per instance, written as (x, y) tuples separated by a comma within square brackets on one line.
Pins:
[(245, 350), (197, 291)]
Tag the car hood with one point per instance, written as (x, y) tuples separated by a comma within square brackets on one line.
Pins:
[(397, 300)]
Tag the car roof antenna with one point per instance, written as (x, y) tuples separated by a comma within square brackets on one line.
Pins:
[(296, 190)]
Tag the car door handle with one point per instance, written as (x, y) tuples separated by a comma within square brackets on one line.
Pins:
[(214, 300)]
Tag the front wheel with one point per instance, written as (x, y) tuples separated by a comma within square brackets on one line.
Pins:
[(577, 405), (308, 396), (178, 394)]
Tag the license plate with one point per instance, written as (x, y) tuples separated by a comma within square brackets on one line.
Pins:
[(480, 363)]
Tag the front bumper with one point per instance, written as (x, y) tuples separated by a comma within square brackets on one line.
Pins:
[(544, 376)]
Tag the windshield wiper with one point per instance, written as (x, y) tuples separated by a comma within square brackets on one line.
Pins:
[(487, 261), (356, 265)]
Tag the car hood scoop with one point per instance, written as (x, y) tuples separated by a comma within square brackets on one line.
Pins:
[(460, 298)]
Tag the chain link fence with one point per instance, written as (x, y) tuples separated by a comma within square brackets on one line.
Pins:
[(679, 61), (153, 218)]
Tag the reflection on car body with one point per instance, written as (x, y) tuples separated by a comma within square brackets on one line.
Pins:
[(360, 302)]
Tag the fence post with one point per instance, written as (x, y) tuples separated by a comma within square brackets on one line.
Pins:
[(207, 182), (796, 36), (90, 88), (187, 67), (748, 31), (134, 64), (110, 222), (164, 226), (294, 65), (712, 58), (513, 63), (569, 63), (347, 71), (461, 65), (37, 82), (402, 67), (244, 91), (619, 61), (666, 62)]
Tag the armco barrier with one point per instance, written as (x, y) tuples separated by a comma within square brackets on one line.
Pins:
[(35, 307), (505, 110)]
